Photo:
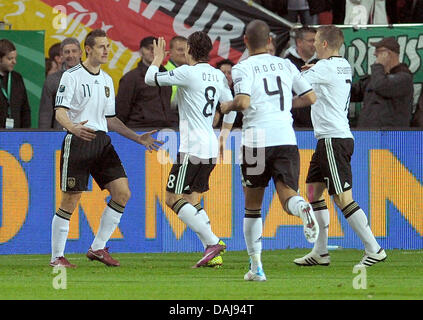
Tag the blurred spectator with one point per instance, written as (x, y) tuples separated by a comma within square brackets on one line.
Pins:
[(317, 7), (365, 12), (225, 66), (280, 7), (139, 105), (271, 48), (54, 56), (70, 54), (387, 94), (49, 66), (412, 11), (15, 111), (177, 58), (302, 53), (417, 119), (338, 11), (299, 11)]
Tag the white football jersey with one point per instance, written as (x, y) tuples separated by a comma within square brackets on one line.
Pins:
[(269, 81), (87, 96), (200, 88), (331, 80)]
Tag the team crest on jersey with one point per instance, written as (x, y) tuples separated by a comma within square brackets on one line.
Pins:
[(62, 88), (71, 182), (107, 91)]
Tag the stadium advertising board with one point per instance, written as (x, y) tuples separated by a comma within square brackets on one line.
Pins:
[(387, 177)]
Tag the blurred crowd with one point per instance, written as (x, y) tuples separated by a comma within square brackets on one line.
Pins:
[(141, 106), (314, 12)]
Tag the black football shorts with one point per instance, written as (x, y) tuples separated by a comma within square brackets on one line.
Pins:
[(331, 164), (281, 163), (81, 158), (190, 174)]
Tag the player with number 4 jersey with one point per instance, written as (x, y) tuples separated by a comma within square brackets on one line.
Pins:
[(263, 86), (200, 88)]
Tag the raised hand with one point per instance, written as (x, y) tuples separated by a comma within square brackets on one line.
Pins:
[(159, 49)]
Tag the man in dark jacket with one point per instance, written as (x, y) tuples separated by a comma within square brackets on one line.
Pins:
[(139, 105), (387, 94), (14, 106), (303, 53), (70, 53)]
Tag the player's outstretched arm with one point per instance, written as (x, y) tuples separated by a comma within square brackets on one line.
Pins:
[(146, 139), (78, 129), (241, 102)]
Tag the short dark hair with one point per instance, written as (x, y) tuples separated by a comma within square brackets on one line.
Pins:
[(300, 32), (145, 42), (224, 61), (6, 46), (176, 38), (90, 38), (200, 46), (332, 34), (257, 33), (67, 41), (54, 51)]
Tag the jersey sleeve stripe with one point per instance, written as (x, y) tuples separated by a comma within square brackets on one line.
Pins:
[(245, 94), (110, 116), (58, 107), (155, 79), (305, 92)]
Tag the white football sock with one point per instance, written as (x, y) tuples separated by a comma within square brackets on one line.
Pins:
[(108, 224), (321, 213), (189, 215), (253, 229), (293, 205), (203, 215), (59, 234), (357, 219)]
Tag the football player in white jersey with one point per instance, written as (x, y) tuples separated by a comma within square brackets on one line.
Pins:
[(85, 107), (200, 87), (263, 92), (330, 166)]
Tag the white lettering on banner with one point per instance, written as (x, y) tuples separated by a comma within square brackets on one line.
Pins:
[(21, 9), (227, 27), (185, 12), (154, 5), (117, 54), (356, 58), (134, 5)]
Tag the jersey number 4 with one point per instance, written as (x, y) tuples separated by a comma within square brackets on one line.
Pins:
[(279, 91)]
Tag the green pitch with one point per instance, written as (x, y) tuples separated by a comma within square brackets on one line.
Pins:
[(169, 276)]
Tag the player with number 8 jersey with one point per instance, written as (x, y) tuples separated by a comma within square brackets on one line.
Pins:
[(200, 88)]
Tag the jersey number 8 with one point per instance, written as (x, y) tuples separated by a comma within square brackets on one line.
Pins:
[(209, 93)]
